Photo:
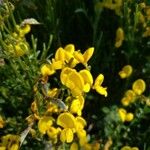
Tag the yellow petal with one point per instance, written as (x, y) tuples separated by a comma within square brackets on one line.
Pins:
[(101, 90), (44, 124), (15, 146), (126, 71), (64, 74), (66, 120), (75, 106), (125, 101), (122, 113), (139, 86), (88, 54), (129, 117), (60, 54), (78, 56), (81, 122), (70, 48), (87, 77), (47, 70), (66, 135), (57, 65), (74, 146), (99, 80)]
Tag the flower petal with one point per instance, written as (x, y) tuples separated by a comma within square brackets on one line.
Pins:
[(66, 120)]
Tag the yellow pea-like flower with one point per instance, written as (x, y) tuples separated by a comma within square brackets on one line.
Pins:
[(97, 85), (129, 117), (125, 101), (139, 86), (66, 135), (126, 71), (88, 79), (44, 124), (130, 94), (47, 69)]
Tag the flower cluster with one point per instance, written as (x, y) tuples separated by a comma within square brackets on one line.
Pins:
[(66, 99), (138, 87), (131, 95)]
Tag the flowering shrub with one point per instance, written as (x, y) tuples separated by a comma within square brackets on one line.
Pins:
[(53, 94)]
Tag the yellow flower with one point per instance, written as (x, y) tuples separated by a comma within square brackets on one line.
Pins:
[(2, 123), (130, 94), (125, 101), (52, 92), (126, 71), (129, 117), (73, 80), (53, 133), (139, 86), (88, 79), (44, 124), (10, 141), (122, 113), (74, 146), (76, 107), (128, 98), (97, 85), (47, 69), (68, 122), (119, 37)]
